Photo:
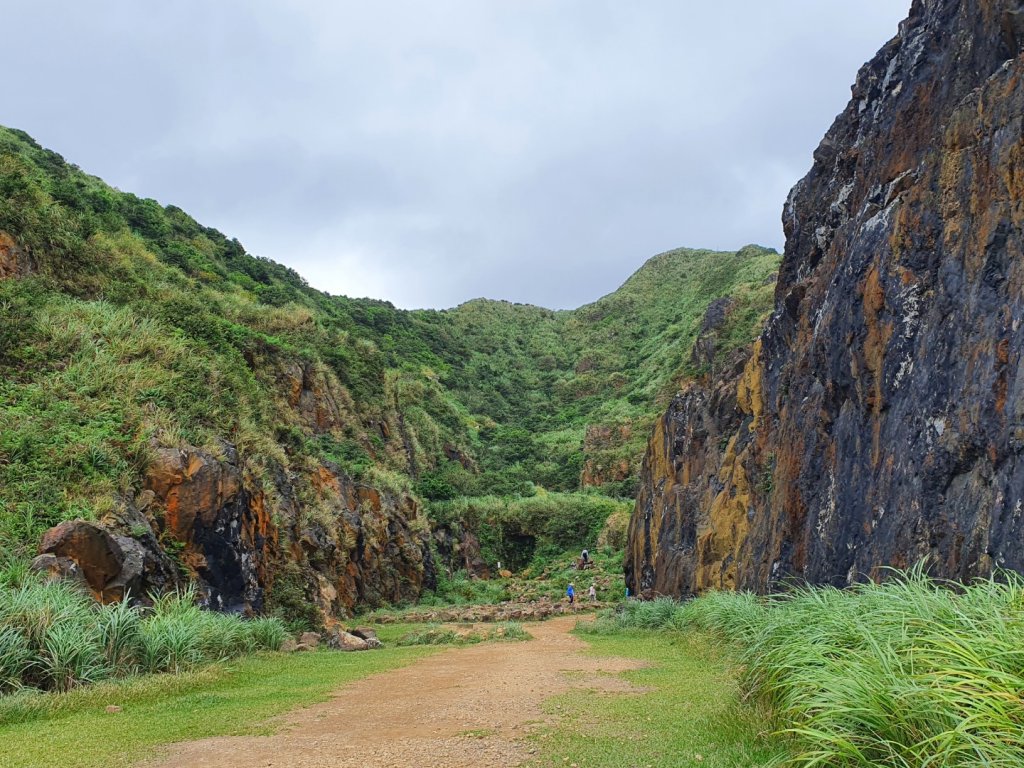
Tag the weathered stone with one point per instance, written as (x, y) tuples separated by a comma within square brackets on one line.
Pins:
[(59, 569), (366, 633), (289, 645), (341, 640), (879, 417), (94, 550), (312, 639), (15, 261)]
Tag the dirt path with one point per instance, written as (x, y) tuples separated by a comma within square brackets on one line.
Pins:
[(463, 707)]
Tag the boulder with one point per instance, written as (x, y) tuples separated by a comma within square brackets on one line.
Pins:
[(289, 645), (340, 640), (312, 639), (364, 632), (59, 569), (93, 550)]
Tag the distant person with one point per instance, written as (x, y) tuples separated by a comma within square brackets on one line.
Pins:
[(585, 557), (592, 592), (571, 594)]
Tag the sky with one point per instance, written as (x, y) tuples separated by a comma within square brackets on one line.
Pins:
[(429, 153)]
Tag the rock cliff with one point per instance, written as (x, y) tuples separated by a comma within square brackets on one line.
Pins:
[(211, 521), (879, 419)]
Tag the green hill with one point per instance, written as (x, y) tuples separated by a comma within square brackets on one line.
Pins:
[(126, 325)]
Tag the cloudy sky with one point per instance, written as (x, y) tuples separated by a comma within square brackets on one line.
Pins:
[(428, 152)]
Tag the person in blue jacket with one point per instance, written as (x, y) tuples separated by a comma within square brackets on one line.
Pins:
[(571, 593)]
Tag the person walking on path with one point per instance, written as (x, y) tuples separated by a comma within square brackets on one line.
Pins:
[(592, 593), (571, 594)]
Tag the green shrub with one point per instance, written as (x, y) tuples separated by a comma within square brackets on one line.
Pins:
[(509, 630), (430, 635), (170, 643), (268, 634), (287, 599), (71, 655)]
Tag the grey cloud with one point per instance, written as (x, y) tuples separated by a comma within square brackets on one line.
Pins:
[(428, 153)]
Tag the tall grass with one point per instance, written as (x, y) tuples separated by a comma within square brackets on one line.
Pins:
[(909, 673), (55, 637)]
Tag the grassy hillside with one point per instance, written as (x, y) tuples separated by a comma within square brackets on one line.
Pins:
[(133, 326)]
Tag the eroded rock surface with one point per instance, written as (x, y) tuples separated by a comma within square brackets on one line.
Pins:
[(880, 417), (205, 519)]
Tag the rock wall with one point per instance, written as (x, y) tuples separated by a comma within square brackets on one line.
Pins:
[(210, 521), (15, 261), (880, 417)]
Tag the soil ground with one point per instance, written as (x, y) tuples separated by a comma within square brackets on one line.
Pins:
[(471, 706)]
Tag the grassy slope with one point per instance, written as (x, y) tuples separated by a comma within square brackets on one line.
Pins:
[(158, 710), (141, 327)]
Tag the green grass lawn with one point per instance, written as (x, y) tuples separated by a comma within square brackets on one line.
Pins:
[(689, 714), (74, 730)]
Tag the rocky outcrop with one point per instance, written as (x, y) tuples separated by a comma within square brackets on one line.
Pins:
[(210, 520), (459, 550), (15, 261), (880, 418), (604, 461)]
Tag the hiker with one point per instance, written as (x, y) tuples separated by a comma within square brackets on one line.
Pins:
[(571, 594), (585, 557), (592, 593)]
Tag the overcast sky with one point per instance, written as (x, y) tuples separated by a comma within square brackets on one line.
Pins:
[(430, 152)]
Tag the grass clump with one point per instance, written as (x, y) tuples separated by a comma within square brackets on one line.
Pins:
[(909, 673), (54, 637)]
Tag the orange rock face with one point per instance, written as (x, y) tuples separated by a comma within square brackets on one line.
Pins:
[(14, 260)]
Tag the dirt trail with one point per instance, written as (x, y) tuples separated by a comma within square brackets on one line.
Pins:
[(463, 707)]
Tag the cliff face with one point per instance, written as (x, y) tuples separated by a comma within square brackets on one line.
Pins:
[(230, 523), (880, 417), (211, 521)]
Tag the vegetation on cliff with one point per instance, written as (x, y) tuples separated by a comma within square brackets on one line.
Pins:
[(128, 330)]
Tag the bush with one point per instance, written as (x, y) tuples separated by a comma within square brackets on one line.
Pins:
[(71, 655), (430, 635), (268, 634), (121, 631), (287, 600)]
